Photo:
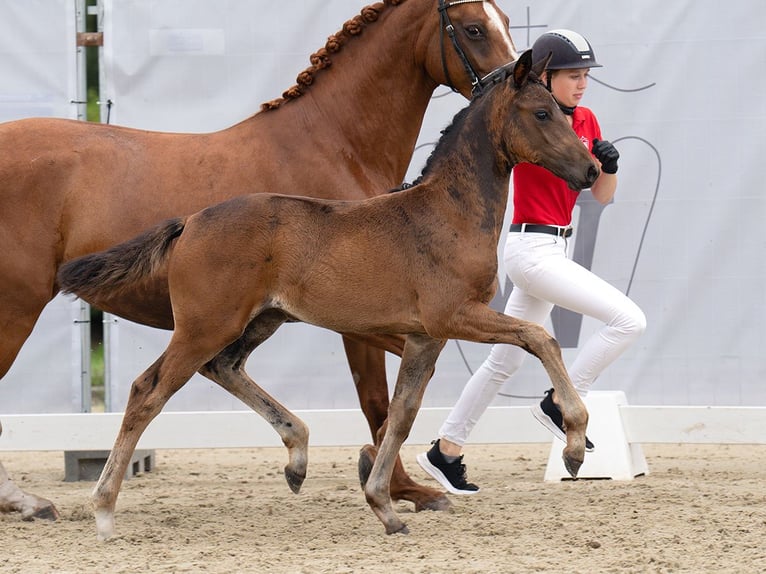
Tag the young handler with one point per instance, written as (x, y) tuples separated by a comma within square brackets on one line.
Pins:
[(536, 261)]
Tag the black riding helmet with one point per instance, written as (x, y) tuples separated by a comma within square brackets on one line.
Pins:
[(569, 51)]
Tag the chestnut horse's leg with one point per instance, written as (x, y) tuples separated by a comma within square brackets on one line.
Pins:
[(418, 360), (18, 318), (19, 315), (13, 499), (228, 370), (368, 369)]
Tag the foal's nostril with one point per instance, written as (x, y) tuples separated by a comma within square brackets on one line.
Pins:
[(592, 173)]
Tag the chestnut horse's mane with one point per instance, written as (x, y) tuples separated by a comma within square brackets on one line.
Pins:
[(321, 59)]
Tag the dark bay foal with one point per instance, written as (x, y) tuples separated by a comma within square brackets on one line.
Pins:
[(419, 262)]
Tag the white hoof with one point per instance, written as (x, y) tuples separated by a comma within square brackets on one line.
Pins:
[(104, 524)]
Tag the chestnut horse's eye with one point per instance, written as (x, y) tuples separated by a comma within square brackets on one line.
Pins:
[(541, 115), (474, 31)]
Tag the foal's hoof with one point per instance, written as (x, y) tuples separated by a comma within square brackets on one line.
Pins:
[(366, 460), (572, 465), (294, 479)]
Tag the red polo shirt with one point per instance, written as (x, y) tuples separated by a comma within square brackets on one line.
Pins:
[(541, 197)]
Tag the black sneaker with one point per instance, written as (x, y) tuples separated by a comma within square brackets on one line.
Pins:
[(451, 475), (550, 416)]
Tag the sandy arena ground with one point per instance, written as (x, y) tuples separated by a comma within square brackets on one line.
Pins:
[(701, 509)]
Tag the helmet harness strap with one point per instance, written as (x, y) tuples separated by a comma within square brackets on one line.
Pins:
[(568, 110)]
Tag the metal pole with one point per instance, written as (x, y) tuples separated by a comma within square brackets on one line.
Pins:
[(109, 321), (82, 112)]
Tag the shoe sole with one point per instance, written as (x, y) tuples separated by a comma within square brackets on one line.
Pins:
[(546, 421), (439, 477)]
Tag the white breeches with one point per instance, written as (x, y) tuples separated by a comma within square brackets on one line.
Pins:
[(543, 276)]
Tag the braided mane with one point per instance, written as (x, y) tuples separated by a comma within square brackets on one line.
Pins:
[(321, 59)]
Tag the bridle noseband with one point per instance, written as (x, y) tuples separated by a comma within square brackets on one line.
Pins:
[(478, 85)]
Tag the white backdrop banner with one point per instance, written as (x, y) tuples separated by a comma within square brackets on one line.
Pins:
[(38, 68), (38, 77), (680, 95)]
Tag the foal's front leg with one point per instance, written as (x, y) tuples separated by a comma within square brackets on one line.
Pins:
[(415, 370), (479, 323), (368, 368), (228, 370)]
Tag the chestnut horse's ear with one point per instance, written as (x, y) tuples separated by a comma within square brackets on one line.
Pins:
[(540, 66), (521, 69)]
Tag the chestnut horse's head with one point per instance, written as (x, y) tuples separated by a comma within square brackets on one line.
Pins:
[(472, 40), (533, 128)]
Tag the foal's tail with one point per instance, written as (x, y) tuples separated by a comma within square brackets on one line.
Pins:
[(121, 266)]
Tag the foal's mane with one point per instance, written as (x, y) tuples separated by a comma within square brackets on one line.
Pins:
[(447, 134), (321, 59)]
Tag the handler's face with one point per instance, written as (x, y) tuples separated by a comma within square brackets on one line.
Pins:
[(568, 86)]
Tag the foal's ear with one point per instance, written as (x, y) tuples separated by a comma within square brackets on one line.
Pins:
[(540, 66), (521, 69)]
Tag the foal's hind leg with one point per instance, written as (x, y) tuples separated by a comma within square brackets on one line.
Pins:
[(418, 360), (368, 368), (228, 370), (148, 395)]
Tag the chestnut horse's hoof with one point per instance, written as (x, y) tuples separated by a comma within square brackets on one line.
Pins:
[(572, 465), (401, 528), (47, 513), (294, 480), (44, 512), (440, 504)]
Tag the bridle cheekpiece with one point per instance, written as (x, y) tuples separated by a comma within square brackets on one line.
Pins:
[(478, 85)]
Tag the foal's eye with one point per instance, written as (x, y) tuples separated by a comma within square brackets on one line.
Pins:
[(541, 115), (474, 31)]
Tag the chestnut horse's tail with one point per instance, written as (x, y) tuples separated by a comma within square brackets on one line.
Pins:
[(121, 266)]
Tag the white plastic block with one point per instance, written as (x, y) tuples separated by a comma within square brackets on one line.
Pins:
[(613, 457)]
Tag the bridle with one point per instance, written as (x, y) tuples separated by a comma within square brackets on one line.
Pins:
[(478, 85)]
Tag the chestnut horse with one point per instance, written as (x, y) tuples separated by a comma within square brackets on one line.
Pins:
[(421, 262), (70, 188)]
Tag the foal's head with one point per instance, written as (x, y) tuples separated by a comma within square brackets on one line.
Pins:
[(531, 128)]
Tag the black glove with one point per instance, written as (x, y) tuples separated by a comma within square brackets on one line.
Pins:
[(607, 154)]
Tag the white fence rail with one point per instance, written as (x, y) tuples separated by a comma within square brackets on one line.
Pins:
[(237, 429)]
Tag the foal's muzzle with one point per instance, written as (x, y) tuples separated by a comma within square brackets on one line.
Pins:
[(592, 175), (589, 178)]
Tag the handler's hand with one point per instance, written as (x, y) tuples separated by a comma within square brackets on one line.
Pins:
[(607, 154)]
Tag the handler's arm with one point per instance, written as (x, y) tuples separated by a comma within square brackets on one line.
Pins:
[(604, 187)]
